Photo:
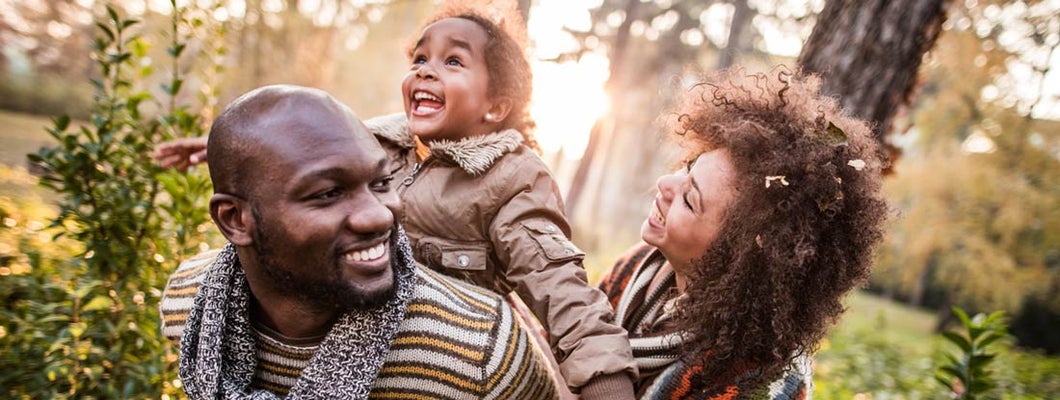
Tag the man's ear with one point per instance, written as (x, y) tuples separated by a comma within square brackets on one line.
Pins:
[(499, 110), (234, 217)]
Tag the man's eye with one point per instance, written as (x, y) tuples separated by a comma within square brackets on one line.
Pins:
[(383, 185), (329, 194)]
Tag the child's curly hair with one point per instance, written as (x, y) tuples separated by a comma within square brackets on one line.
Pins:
[(509, 71), (800, 233)]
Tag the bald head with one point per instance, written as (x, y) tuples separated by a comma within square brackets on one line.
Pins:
[(249, 132)]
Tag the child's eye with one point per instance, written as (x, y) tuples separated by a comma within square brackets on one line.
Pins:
[(453, 62), (419, 60), (687, 203)]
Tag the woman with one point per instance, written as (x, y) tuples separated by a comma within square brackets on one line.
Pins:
[(750, 248)]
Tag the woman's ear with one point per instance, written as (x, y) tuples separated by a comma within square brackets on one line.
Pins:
[(499, 110), (233, 217)]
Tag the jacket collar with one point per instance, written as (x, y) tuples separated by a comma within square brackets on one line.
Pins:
[(393, 128), (475, 155)]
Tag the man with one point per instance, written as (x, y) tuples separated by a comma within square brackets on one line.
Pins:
[(316, 295)]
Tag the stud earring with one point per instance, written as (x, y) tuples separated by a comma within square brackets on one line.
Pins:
[(489, 117)]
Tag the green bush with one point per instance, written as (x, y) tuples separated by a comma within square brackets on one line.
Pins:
[(84, 322), (965, 374)]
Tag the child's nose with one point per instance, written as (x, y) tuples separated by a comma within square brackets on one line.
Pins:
[(425, 72)]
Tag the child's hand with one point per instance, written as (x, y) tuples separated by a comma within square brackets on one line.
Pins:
[(181, 153)]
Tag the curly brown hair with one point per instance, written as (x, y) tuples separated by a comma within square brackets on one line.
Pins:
[(806, 217), (509, 71)]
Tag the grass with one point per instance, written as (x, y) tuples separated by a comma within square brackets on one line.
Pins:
[(21, 134), (903, 323)]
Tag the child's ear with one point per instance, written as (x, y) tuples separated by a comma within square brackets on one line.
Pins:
[(498, 111), (233, 217)]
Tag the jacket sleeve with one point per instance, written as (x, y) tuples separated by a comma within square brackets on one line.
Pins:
[(531, 237)]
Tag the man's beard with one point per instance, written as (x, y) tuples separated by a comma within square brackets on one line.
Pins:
[(331, 292)]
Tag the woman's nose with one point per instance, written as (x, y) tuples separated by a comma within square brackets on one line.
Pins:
[(668, 185)]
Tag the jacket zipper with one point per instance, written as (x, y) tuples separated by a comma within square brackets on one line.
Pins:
[(412, 175)]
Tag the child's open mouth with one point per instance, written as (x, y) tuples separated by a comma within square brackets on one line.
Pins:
[(424, 103)]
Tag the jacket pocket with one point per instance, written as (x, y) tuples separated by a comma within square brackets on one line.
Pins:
[(453, 254), (552, 242)]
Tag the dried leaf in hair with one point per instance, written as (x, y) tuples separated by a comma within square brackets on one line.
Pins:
[(858, 164), (781, 178), (834, 136)]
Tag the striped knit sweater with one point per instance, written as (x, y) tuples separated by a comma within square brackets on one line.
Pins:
[(457, 342), (642, 288)]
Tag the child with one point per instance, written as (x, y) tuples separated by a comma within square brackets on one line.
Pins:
[(481, 205)]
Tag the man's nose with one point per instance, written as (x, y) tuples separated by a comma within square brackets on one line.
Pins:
[(369, 215)]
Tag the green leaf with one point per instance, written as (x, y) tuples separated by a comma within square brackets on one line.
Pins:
[(113, 14), (945, 381), (77, 329), (981, 386), (954, 372), (962, 315), (61, 122), (98, 303), (834, 136), (106, 30), (176, 50), (989, 339), (958, 340)]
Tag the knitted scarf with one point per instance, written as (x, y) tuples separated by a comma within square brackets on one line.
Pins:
[(642, 287), (217, 351)]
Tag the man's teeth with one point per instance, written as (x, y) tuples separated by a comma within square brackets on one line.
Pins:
[(366, 255), (425, 96)]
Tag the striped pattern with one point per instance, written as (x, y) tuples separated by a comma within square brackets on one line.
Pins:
[(457, 342), (641, 311), (641, 286)]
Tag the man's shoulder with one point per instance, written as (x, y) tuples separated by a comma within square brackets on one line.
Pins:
[(453, 297), (179, 294), (461, 341)]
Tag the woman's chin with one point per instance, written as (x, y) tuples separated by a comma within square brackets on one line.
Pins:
[(648, 234)]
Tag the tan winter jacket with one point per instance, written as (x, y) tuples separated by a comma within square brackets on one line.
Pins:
[(486, 209)]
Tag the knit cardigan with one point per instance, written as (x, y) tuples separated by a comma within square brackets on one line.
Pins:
[(457, 341)]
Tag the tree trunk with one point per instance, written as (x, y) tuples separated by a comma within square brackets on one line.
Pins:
[(868, 53), (618, 51), (739, 41)]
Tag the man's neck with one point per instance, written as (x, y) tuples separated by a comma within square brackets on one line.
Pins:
[(292, 319)]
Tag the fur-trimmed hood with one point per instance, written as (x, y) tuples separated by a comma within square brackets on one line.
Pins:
[(475, 155), (393, 128)]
